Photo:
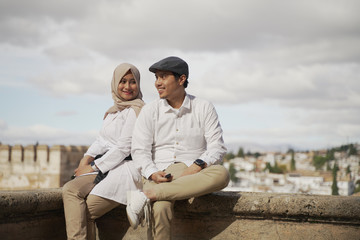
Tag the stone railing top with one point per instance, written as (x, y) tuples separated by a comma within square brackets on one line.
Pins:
[(297, 207), (14, 203), (293, 207)]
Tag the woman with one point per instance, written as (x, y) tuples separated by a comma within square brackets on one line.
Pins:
[(85, 201)]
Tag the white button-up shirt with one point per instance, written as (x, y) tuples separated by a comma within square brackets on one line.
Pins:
[(164, 135), (114, 140)]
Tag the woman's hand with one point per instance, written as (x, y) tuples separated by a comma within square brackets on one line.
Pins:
[(84, 166), (83, 169), (86, 160)]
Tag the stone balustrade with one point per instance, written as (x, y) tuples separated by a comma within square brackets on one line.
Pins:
[(38, 214)]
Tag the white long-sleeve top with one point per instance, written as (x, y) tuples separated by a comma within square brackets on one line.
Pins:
[(114, 140), (164, 135)]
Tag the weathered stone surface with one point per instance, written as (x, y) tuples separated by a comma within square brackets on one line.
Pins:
[(32, 215), (17, 203), (222, 215)]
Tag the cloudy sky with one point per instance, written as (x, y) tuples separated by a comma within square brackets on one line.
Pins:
[(280, 73)]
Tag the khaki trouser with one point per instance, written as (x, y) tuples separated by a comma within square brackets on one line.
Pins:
[(208, 180), (81, 209)]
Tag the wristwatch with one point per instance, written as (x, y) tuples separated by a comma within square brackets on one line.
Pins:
[(94, 167), (200, 163)]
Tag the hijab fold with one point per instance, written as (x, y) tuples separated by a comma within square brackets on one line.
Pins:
[(120, 103)]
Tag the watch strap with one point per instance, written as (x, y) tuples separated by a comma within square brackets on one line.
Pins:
[(201, 163), (94, 167)]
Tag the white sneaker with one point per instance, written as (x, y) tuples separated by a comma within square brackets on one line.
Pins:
[(136, 202)]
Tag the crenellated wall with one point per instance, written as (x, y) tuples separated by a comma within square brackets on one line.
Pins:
[(37, 166)]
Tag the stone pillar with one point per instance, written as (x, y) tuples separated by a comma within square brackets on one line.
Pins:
[(5, 165), (42, 153), (17, 159), (56, 157), (30, 159), (42, 161), (5, 154)]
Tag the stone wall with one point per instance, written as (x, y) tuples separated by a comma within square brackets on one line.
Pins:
[(38, 214), (37, 166)]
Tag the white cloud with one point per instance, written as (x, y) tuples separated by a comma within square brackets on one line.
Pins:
[(3, 125), (45, 135), (302, 57)]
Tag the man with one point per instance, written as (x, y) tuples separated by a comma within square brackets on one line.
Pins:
[(177, 144)]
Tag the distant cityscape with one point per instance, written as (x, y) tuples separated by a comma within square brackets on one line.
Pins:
[(334, 171)]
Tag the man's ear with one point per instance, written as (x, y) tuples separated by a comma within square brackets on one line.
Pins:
[(182, 79)]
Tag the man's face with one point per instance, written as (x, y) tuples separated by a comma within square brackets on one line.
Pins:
[(167, 85)]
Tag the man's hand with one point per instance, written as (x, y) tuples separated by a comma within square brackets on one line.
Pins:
[(192, 169), (159, 177)]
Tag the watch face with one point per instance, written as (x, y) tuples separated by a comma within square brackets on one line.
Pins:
[(199, 162)]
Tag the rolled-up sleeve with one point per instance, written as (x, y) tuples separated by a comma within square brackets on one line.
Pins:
[(215, 147)]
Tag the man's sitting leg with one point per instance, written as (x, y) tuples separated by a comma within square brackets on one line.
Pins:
[(163, 212), (211, 179)]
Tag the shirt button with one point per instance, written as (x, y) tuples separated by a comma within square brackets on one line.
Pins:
[(177, 130), (177, 143), (174, 156)]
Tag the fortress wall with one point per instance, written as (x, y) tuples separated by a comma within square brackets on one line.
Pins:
[(42, 153), (37, 166), (17, 155), (29, 163), (5, 165), (5, 154), (73, 155)]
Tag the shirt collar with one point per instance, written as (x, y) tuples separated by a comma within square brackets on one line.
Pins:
[(167, 108)]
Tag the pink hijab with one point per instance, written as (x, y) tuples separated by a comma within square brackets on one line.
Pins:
[(119, 103)]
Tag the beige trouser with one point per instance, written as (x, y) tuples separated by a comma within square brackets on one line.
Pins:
[(208, 180), (81, 209)]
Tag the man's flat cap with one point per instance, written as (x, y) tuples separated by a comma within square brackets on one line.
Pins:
[(172, 64)]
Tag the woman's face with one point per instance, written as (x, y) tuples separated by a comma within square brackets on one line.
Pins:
[(127, 88)]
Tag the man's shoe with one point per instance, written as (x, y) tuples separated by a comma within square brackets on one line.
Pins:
[(136, 202)]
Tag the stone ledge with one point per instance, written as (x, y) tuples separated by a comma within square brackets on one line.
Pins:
[(297, 207), (16, 203), (222, 215)]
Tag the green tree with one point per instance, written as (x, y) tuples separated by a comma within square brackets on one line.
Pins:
[(357, 186), (330, 154), (290, 150), (257, 154), (352, 150), (292, 164), (241, 152), (232, 172), (275, 168), (229, 155), (348, 169), (319, 161), (328, 167), (334, 187)]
